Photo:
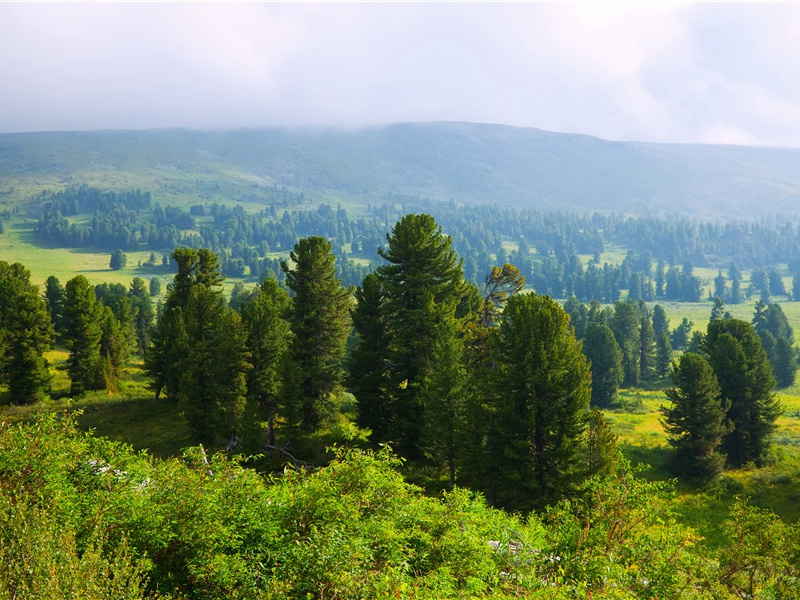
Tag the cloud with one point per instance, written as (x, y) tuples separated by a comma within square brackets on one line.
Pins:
[(673, 72)]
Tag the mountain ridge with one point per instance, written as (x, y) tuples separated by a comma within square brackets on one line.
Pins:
[(466, 162)]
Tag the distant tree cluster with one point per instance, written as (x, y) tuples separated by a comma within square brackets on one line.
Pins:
[(723, 403), (545, 247)]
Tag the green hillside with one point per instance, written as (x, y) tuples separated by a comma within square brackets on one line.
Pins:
[(461, 161)]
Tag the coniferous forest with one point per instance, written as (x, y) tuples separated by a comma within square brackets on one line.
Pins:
[(410, 426)]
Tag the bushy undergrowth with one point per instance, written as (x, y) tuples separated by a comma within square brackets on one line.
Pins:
[(84, 517)]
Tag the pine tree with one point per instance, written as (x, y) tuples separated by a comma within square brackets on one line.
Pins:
[(54, 299), (165, 360), (114, 347), (499, 285), (543, 387), (663, 354), (82, 333), (320, 323), (736, 284), (605, 358), (601, 445), (660, 320), (423, 284), (626, 326), (368, 364), (647, 349), (695, 422), (26, 331), (443, 394), (212, 388), (784, 365), (266, 325), (118, 260), (720, 283), (144, 314), (745, 377)]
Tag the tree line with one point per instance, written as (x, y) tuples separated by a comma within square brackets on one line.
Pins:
[(546, 247), (494, 387)]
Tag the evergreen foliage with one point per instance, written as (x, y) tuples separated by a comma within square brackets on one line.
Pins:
[(543, 385), (83, 329), (212, 385), (626, 326), (605, 359), (368, 367), (696, 420), (118, 260), (745, 378), (54, 300), (423, 285), (26, 331), (265, 321), (320, 324), (663, 354)]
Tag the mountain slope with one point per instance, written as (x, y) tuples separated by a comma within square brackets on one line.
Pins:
[(466, 162)]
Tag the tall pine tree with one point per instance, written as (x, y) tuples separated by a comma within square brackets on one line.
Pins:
[(423, 284), (82, 332), (26, 332), (320, 323), (543, 387)]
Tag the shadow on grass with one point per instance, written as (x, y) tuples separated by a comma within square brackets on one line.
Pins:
[(657, 457), (145, 424)]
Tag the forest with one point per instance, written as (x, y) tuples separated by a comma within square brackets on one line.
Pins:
[(326, 417)]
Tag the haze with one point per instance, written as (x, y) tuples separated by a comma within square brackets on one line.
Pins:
[(708, 73)]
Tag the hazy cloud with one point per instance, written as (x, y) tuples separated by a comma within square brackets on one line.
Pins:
[(680, 72)]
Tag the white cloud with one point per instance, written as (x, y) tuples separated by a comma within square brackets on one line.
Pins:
[(654, 72)]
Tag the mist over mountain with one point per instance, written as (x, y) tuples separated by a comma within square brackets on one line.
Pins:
[(472, 163)]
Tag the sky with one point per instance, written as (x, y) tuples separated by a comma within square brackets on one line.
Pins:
[(689, 73)]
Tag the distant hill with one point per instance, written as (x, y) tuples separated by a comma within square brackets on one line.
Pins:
[(465, 162)]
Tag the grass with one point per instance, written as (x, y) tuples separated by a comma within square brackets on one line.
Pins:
[(776, 487), (129, 414)]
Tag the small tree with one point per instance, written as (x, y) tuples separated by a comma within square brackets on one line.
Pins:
[(663, 354), (118, 260), (155, 286), (696, 420), (605, 357)]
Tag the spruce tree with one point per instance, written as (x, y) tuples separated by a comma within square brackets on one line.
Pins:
[(543, 388), (605, 358), (26, 331), (663, 354), (745, 377), (423, 284), (54, 299), (320, 323), (696, 420), (368, 364), (444, 394), (83, 316), (626, 326), (266, 325)]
